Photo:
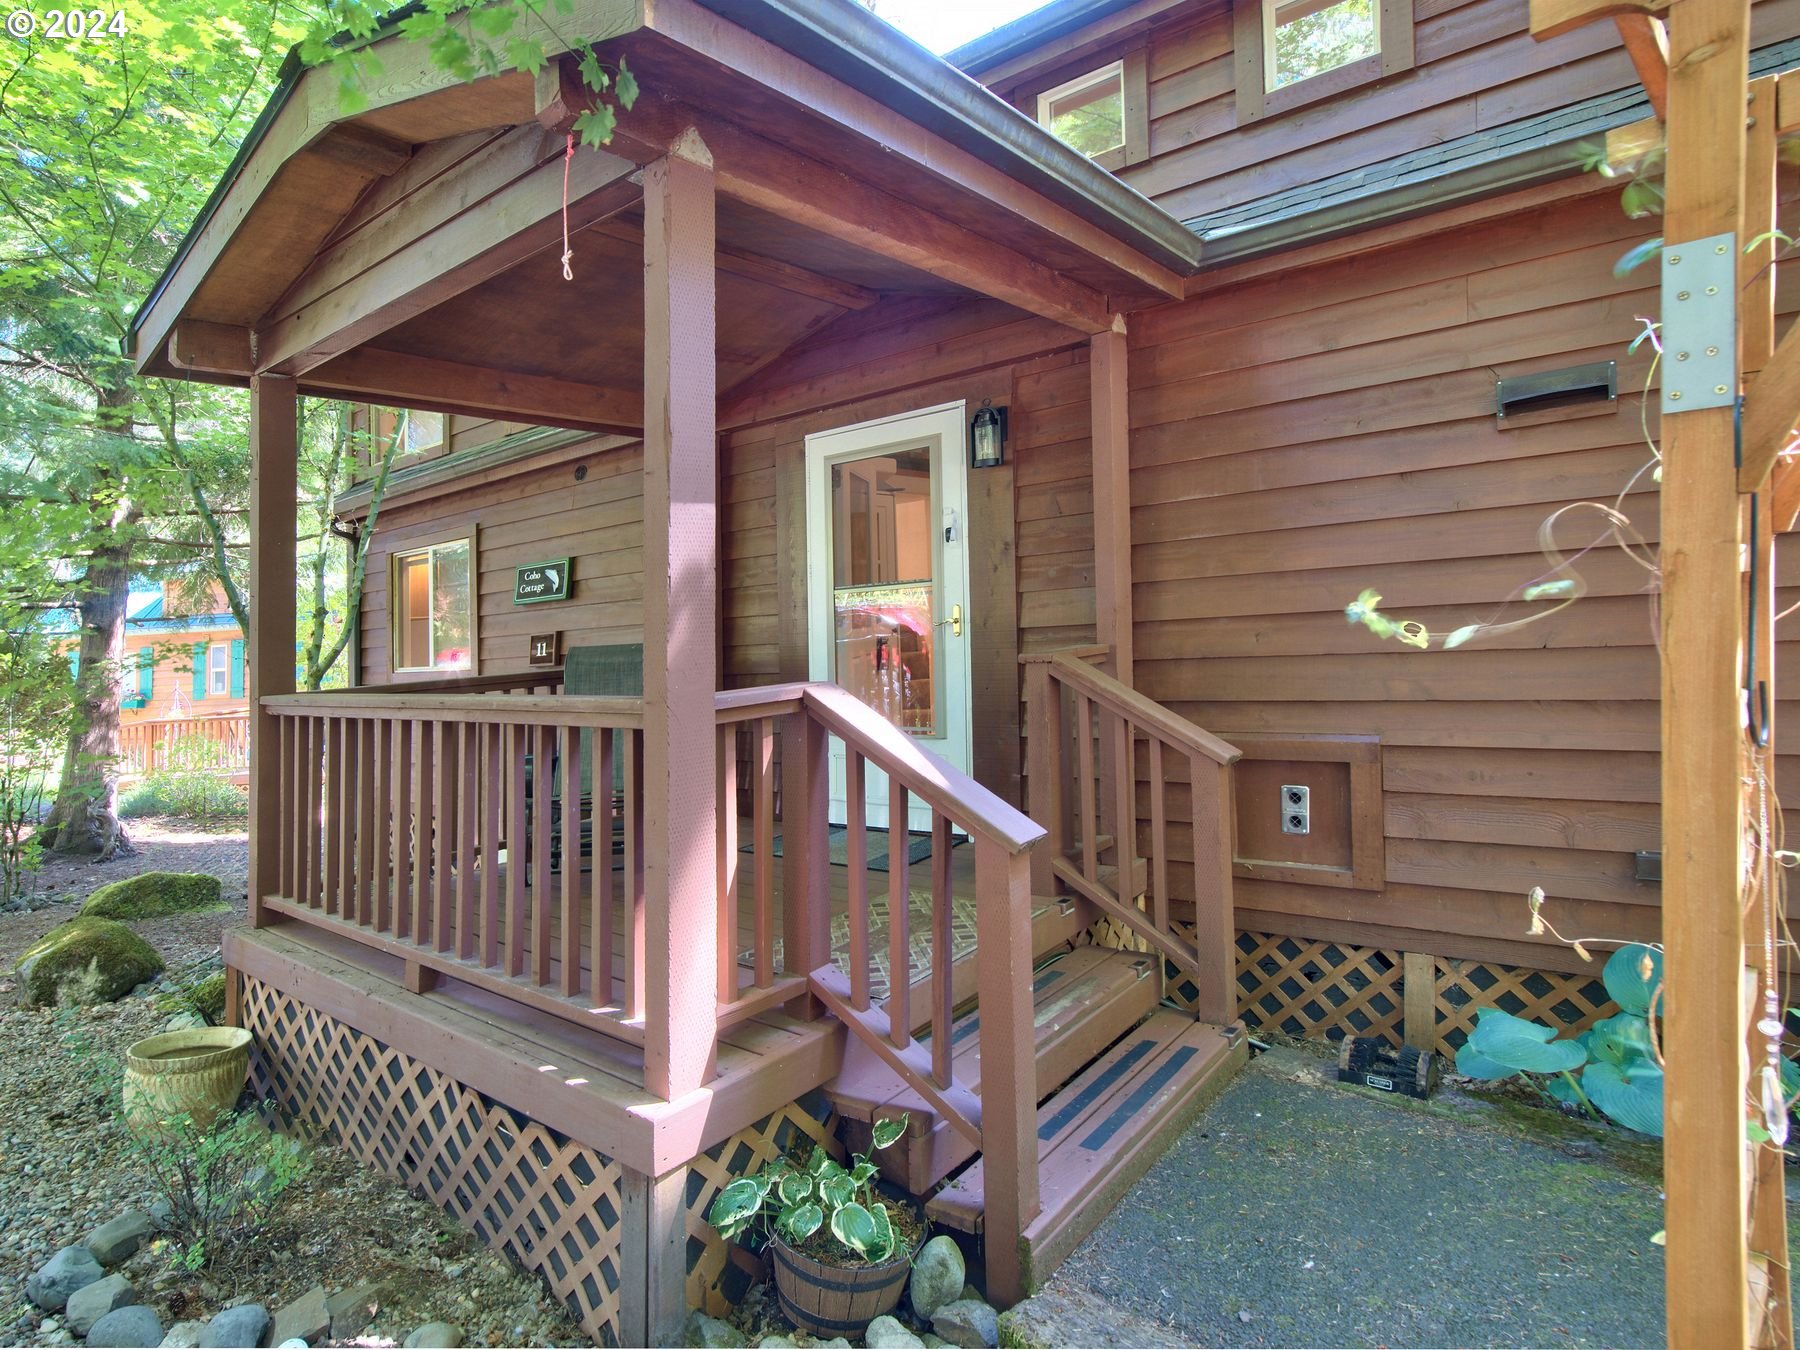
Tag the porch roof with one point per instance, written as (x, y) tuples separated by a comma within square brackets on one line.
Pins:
[(395, 253)]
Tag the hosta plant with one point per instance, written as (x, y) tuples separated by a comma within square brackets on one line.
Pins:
[(798, 1202), (1611, 1070)]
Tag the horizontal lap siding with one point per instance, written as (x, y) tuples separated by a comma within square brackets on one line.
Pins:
[(1476, 69), (531, 516), (1300, 438)]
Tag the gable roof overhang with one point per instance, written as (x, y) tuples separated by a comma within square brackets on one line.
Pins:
[(830, 132)]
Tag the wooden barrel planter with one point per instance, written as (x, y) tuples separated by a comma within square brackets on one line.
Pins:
[(828, 1300), (196, 1073)]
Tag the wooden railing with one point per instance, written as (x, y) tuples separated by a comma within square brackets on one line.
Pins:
[(461, 833), (146, 746), (1092, 742), (999, 1115)]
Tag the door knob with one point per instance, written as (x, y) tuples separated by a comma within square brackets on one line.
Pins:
[(956, 620)]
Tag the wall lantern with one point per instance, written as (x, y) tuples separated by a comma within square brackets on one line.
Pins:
[(987, 437)]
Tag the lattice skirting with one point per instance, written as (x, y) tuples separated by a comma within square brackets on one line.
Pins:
[(1306, 987), (552, 1205), (719, 1273)]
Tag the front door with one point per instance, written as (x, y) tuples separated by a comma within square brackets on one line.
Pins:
[(887, 583)]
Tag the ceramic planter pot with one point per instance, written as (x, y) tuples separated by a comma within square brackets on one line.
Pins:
[(198, 1072), (828, 1300)]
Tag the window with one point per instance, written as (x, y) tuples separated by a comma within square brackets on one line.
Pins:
[(1294, 52), (218, 670), (425, 431), (433, 607), (1102, 113)]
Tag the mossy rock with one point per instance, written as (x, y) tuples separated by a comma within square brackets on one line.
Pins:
[(207, 997), (151, 895), (85, 960)]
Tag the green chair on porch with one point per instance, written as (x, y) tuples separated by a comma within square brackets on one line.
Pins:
[(615, 671)]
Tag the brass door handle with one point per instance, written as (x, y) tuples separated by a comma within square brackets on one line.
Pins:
[(956, 620)]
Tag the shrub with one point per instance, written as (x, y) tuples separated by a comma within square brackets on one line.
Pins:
[(190, 783), (35, 704), (151, 895)]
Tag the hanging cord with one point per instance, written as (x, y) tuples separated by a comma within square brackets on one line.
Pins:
[(567, 253)]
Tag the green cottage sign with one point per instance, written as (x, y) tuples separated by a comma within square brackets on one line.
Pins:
[(538, 582)]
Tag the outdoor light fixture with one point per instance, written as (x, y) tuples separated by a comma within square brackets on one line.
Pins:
[(987, 437)]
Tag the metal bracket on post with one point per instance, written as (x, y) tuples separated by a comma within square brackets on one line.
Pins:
[(1699, 324)]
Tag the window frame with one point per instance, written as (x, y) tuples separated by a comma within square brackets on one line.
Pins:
[(396, 625), (215, 668), (1251, 31), (1134, 92)]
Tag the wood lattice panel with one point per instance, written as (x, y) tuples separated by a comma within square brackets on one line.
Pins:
[(1572, 1003), (1303, 987), (550, 1204), (714, 1281)]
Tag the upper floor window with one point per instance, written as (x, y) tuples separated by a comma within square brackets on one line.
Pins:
[(1102, 113), (425, 431), (218, 670), (1294, 52)]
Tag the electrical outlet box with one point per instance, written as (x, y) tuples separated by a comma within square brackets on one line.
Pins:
[(1296, 808)]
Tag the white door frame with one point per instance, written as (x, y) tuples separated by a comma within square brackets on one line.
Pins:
[(944, 430)]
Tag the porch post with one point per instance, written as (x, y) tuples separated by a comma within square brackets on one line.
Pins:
[(1109, 410), (269, 658), (681, 577)]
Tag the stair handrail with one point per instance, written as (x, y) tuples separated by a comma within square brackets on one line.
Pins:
[(1116, 716)]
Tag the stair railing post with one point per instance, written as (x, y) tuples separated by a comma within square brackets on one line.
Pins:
[(1215, 926), (1008, 1081), (1046, 771), (805, 853)]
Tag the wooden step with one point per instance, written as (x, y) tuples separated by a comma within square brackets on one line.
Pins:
[(1083, 1001), (1055, 923), (1103, 1131)]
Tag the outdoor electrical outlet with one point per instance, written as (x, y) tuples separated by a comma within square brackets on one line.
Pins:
[(1296, 809)]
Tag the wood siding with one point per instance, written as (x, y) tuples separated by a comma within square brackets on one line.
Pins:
[(1476, 68), (1301, 435)]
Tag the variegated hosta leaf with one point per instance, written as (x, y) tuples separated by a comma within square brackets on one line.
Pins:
[(888, 1132), (820, 1159), (838, 1190), (800, 1222), (794, 1187), (884, 1232), (736, 1204), (863, 1172), (854, 1226)]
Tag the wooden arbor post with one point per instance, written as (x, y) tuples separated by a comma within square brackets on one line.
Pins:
[(269, 660), (1109, 398), (681, 575)]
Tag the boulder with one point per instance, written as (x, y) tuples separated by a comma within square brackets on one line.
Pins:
[(184, 1336), (709, 1333), (132, 1325), (352, 1310), (435, 1336), (937, 1276), (72, 1268), (968, 1322), (151, 895), (242, 1328), (293, 1343), (305, 1319), (886, 1333), (112, 1242), (778, 1343), (84, 961), (1073, 1316), (88, 1304)]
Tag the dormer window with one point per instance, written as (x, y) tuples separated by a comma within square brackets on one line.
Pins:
[(1290, 53), (1102, 113), (1303, 38)]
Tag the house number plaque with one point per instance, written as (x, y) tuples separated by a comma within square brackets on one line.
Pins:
[(546, 648), (538, 582)]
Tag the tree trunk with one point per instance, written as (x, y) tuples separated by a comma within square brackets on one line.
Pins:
[(85, 819)]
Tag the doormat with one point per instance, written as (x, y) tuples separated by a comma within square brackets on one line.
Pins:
[(962, 938), (918, 851)]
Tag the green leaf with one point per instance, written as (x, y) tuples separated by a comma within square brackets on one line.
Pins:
[(736, 1203), (1632, 1097), (864, 1172), (816, 1164), (1471, 1064), (492, 20), (884, 1232), (888, 1132), (838, 1190), (526, 55), (594, 128), (800, 1222), (794, 1187), (1518, 1044), (1638, 255), (1622, 1040), (627, 86), (854, 1226), (1632, 975)]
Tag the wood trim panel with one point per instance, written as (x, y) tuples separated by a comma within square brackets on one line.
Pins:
[(1365, 818)]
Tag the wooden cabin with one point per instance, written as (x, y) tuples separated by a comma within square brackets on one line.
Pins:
[(908, 538)]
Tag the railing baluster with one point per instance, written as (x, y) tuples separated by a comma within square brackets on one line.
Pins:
[(334, 812), (1159, 840), (401, 863), (443, 835), (315, 812), (380, 855), (423, 751), (899, 999), (727, 941), (349, 736), (493, 791), (634, 874), (290, 808), (764, 818), (517, 848), (1046, 767), (570, 930), (943, 986), (368, 812), (467, 801), (1084, 754), (601, 902), (543, 780), (857, 821), (1124, 809)]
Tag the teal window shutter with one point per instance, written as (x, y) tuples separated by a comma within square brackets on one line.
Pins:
[(146, 672), (237, 668), (199, 671), (75, 662)]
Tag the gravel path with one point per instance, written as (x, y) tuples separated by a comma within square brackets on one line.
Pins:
[(66, 1165), (1296, 1212)]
